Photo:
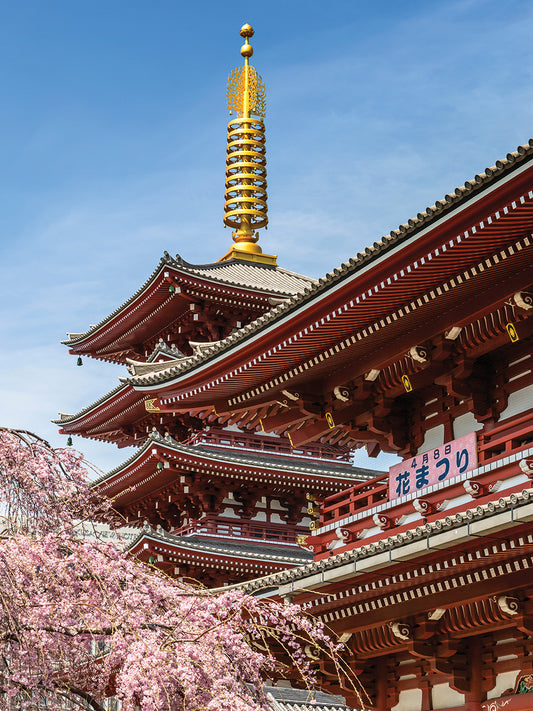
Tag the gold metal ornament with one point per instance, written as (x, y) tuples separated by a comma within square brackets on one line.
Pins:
[(256, 92), (245, 208), (150, 405)]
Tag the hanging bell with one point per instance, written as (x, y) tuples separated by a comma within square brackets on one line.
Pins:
[(172, 289), (69, 442), (159, 466), (79, 361), (151, 560)]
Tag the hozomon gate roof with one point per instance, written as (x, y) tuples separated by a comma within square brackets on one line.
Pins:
[(454, 262)]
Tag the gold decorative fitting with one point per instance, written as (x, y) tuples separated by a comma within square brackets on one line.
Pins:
[(245, 207), (150, 405), (256, 92)]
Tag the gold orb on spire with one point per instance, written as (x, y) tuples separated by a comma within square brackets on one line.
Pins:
[(245, 208), (246, 31)]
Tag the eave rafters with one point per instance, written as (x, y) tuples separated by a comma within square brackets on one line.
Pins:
[(350, 311), (304, 423)]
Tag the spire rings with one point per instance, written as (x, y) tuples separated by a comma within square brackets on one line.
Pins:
[(245, 197)]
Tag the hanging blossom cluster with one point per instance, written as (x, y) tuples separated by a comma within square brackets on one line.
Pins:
[(81, 621)]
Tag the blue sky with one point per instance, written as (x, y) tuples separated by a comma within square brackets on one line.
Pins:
[(112, 137)]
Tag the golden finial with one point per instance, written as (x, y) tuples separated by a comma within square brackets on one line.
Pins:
[(245, 208)]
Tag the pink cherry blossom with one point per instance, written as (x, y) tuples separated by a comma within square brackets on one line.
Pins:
[(81, 620)]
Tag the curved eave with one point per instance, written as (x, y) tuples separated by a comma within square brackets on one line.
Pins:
[(408, 265), (108, 412), (153, 297), (140, 470), (194, 549)]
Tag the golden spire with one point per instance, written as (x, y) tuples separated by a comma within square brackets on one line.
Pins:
[(245, 208)]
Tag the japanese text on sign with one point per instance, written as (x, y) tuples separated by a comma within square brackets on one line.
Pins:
[(431, 467)]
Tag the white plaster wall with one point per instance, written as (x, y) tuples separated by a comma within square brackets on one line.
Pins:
[(260, 516), (229, 513), (433, 437), (518, 402), (504, 681), (410, 700), (411, 518), (276, 518), (464, 424), (444, 697)]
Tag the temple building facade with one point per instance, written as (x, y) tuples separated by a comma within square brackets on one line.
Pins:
[(250, 386)]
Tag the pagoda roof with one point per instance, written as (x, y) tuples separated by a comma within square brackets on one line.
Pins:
[(251, 276), (417, 247), (284, 470), (122, 393), (117, 403), (222, 548), (254, 282), (281, 698)]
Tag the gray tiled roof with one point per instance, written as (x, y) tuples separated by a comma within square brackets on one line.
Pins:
[(286, 699), (279, 462), (248, 275), (431, 214), (268, 552), (64, 417)]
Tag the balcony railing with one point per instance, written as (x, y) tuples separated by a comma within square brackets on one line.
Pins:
[(271, 533), (508, 437), (272, 445), (354, 499)]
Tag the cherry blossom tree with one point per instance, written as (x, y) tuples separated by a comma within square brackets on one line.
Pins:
[(81, 620)]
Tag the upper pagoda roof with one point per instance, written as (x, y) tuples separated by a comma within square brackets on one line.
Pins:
[(152, 306), (417, 246), (251, 276)]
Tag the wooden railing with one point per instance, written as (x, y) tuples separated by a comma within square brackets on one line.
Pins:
[(250, 530), (272, 445), (354, 499), (508, 437)]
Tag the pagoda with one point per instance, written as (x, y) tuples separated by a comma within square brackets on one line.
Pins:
[(216, 499)]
